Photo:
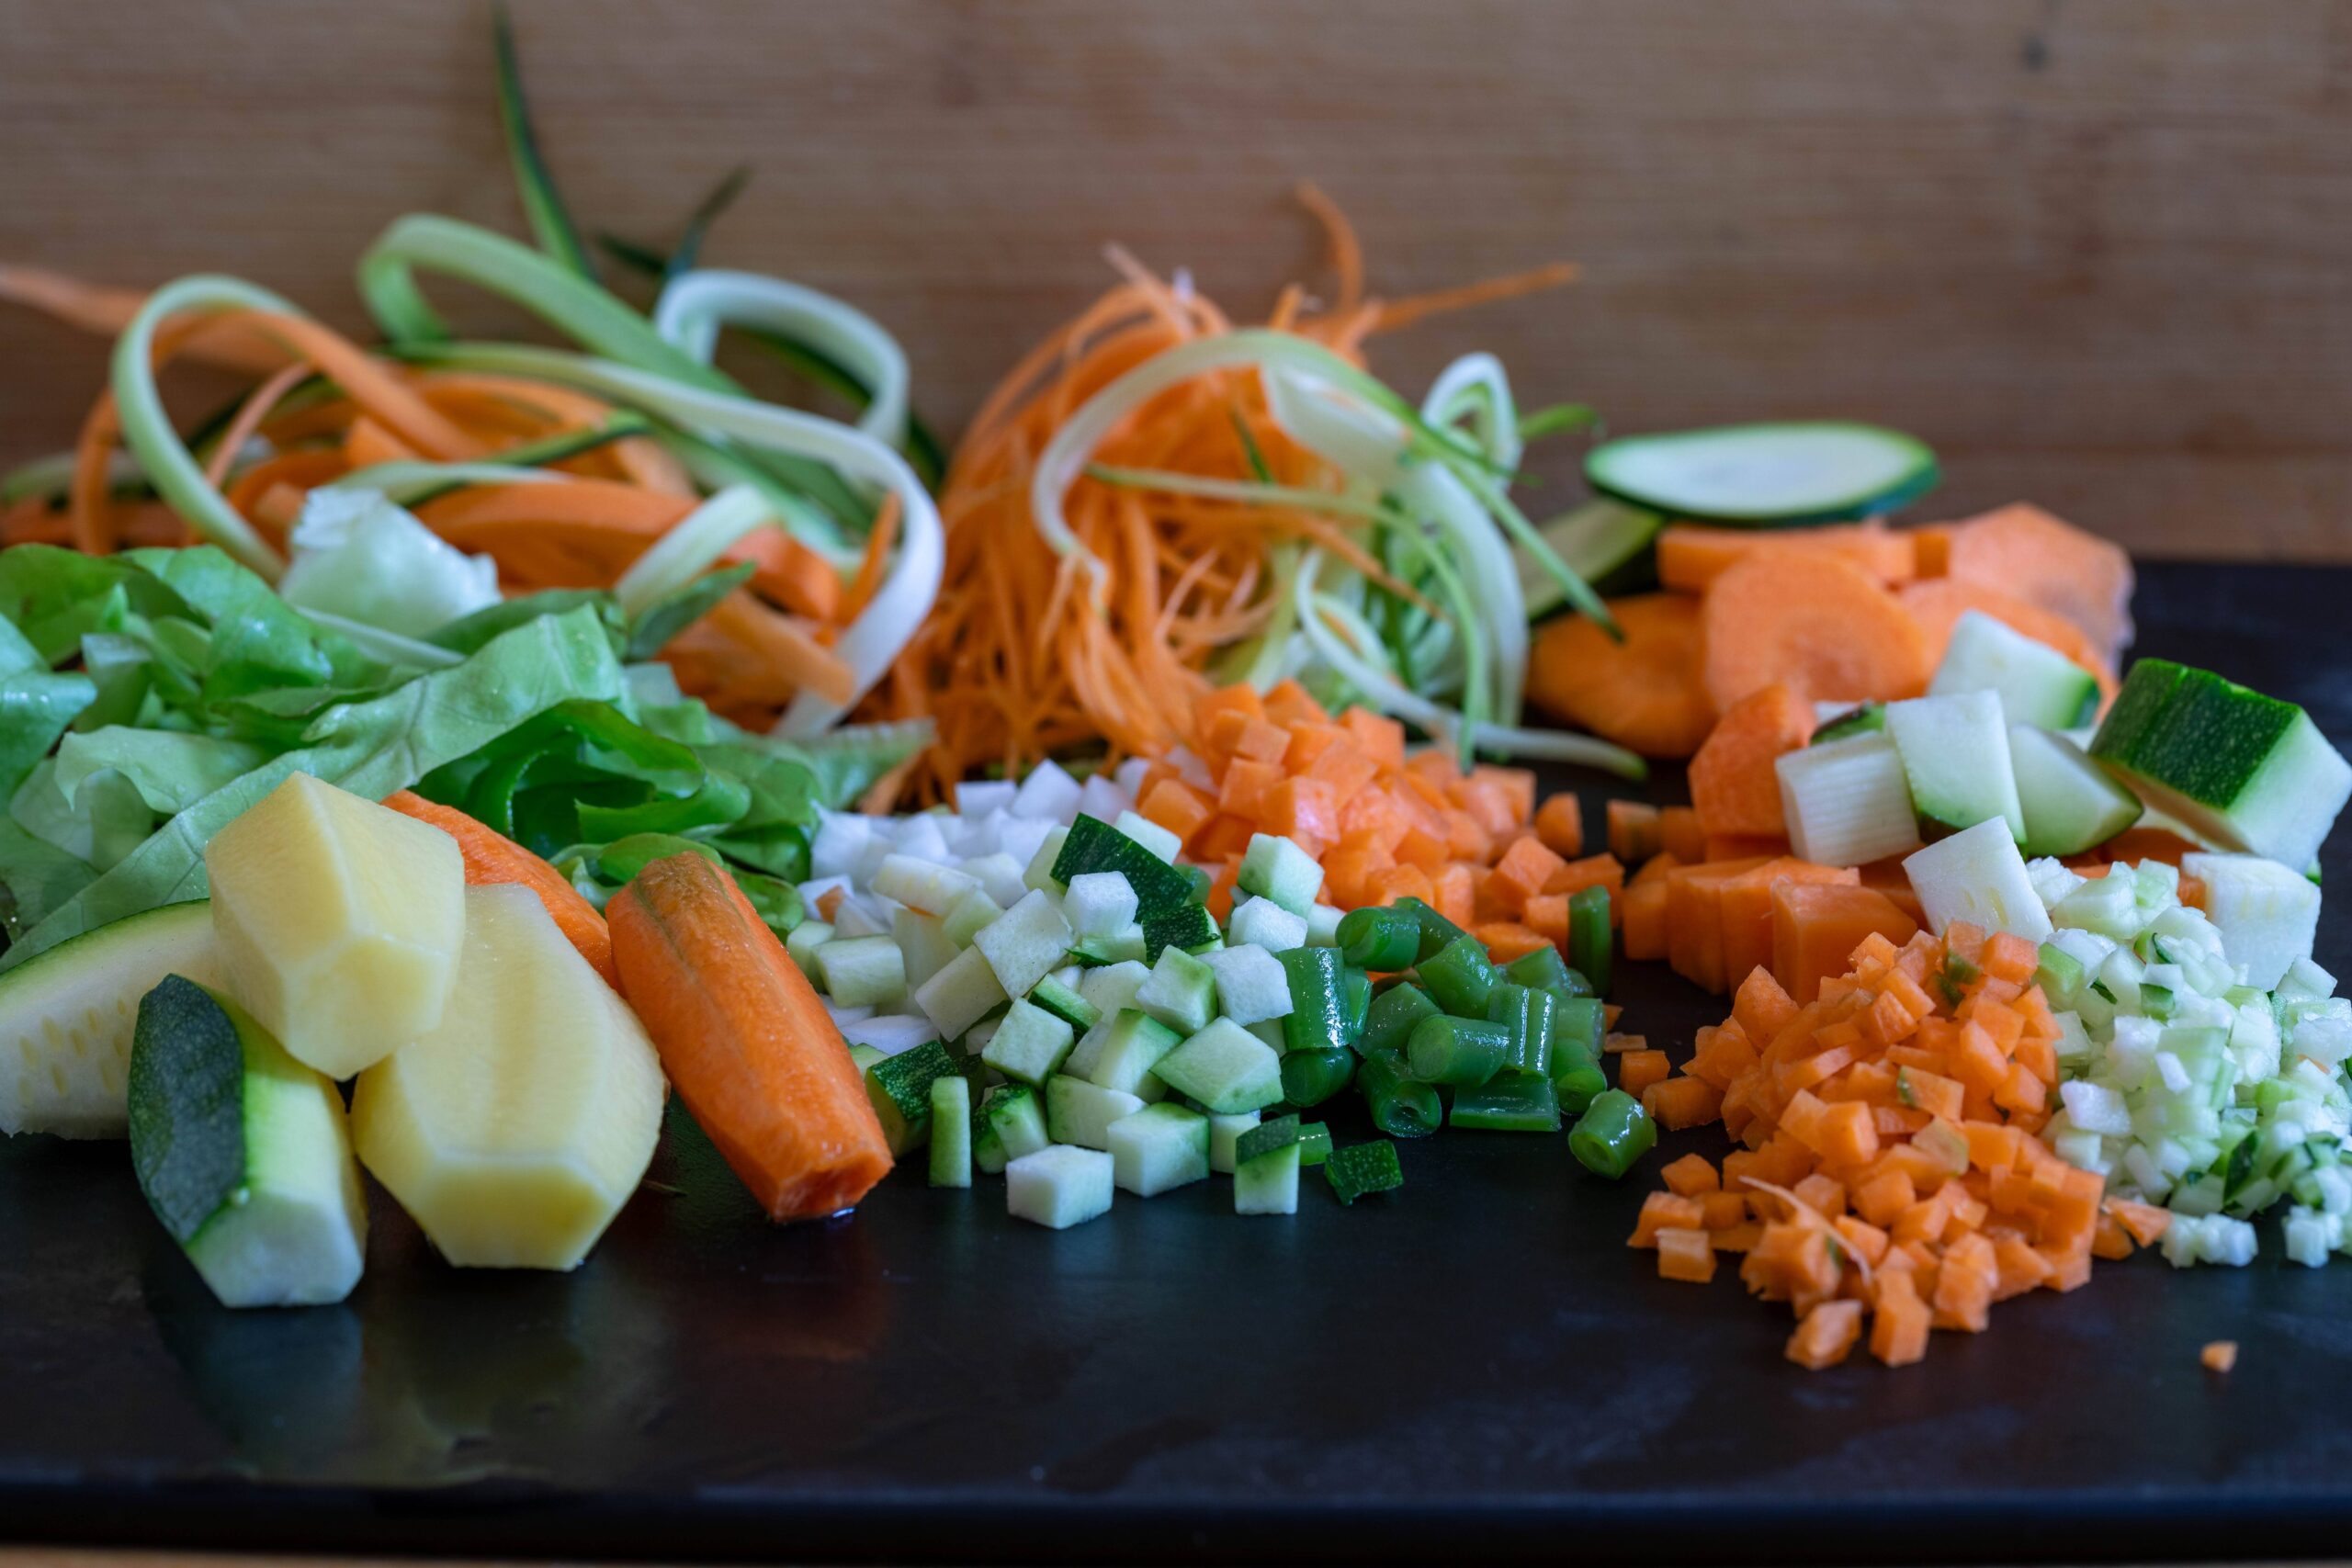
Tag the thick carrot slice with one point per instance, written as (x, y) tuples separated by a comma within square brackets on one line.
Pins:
[(752, 1052), (1937, 604), (2050, 563), (492, 858), (1733, 785), (1745, 907), (1817, 926), (1821, 625), (1645, 692), (1690, 557)]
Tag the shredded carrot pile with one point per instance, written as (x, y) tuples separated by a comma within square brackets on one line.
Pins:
[(1891, 1180), (763, 643), (1019, 659)]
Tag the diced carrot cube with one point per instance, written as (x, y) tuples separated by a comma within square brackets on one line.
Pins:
[(1453, 893), (1400, 882), (1992, 1148), (1260, 741), (1515, 787), (1177, 807), (2021, 1091), (2021, 1268), (1220, 732), (1686, 1255), (1634, 832), (1826, 1334), (1690, 1176), (1848, 1134), (1738, 1238), (1899, 1328), (1465, 839), (1548, 913), (1344, 767), (1762, 1008), (1678, 1103), (1680, 831), (2144, 1223), (1884, 1198), (1826, 1195), (1379, 736), (1304, 810), (1593, 871), (1524, 871), (1643, 915), (1744, 846), (1423, 848), (2110, 1240), (1722, 1211), (2008, 957), (1219, 899), (1722, 1054), (1636, 1070), (1862, 1238), (1508, 939), (1289, 703), (1976, 1062), (1664, 1211), (1373, 817), (1309, 742), (1227, 835), (1348, 871), (1559, 822)]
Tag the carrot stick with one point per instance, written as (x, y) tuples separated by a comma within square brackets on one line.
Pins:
[(752, 1052), (492, 858)]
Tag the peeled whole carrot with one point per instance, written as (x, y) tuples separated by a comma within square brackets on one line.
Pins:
[(752, 1052), (1645, 692), (1734, 785), (491, 858), (1823, 627)]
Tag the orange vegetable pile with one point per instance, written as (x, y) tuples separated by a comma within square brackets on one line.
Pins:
[(1890, 1180)]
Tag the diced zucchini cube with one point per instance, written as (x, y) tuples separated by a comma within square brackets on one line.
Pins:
[(1362, 1168), (921, 883), (1159, 1147), (1031, 1044), (951, 1132), (1977, 875), (1124, 945), (1060, 998), (1187, 927), (1048, 792), (1163, 844), (1262, 923), (960, 995), (1100, 903), (1059, 1186), (2036, 683), (1226, 1068), (802, 945), (1252, 985), (1266, 1137), (1080, 1112), (1000, 876), (867, 971), (924, 943), (972, 911), (1955, 752), (1131, 1043), (988, 1150), (1271, 1033), (977, 797), (1848, 802), (863, 1056), (1016, 1114), (900, 1088), (1040, 876), (1279, 870), (1269, 1183), (1181, 991), (857, 917), (1112, 987), (1323, 926), (1025, 943), (1225, 1132)]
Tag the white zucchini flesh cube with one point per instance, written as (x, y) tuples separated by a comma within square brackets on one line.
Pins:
[(1269, 1184), (1181, 991), (1059, 1186), (892, 1034), (1031, 1044), (1323, 926), (923, 944), (1225, 1132), (1131, 1044), (1277, 868), (840, 840), (960, 995), (1128, 775), (865, 971), (1080, 1112), (1955, 752), (857, 915), (971, 912), (2267, 913), (2035, 682), (1226, 1068), (1158, 1149), (1110, 988), (1102, 799), (921, 883), (1025, 943), (1252, 985), (1039, 875), (1977, 875), (1049, 794), (950, 1130), (1000, 876), (1848, 802), (1263, 923), (920, 837), (1159, 840), (977, 797), (1100, 903)]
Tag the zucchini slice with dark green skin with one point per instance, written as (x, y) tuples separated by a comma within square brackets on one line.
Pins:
[(1762, 475)]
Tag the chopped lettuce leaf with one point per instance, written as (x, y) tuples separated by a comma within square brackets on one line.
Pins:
[(358, 556)]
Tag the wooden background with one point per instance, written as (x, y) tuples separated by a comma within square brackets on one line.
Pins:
[(2098, 252)]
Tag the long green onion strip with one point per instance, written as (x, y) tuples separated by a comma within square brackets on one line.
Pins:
[(543, 205), (698, 541), (1474, 390), (147, 429), (409, 481), (891, 618), (695, 306)]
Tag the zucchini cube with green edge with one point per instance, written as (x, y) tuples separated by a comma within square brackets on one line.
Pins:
[(899, 1089), (2071, 803), (1100, 903), (1025, 943), (1187, 927), (1363, 1169), (1158, 1148), (1266, 1137), (242, 1152), (1955, 754), (1251, 985), (1031, 1044), (2267, 913), (861, 1056), (1109, 986), (1848, 802), (1016, 1114), (1977, 875), (1062, 999), (951, 1132), (1277, 869), (1080, 1112), (2035, 682), (972, 911), (922, 884), (1224, 1133), (2244, 771), (802, 945), (1224, 1068), (960, 995), (339, 922), (1093, 844), (1060, 1185), (1163, 844), (1126, 945), (1132, 1042), (863, 971), (1039, 875), (1268, 1183), (1262, 923), (1180, 991)]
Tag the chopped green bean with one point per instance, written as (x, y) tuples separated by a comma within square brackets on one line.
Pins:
[(1389, 1021), (1546, 970), (1314, 1143), (1577, 1077), (1527, 1013), (1579, 1020), (1310, 1078), (1436, 929), (1363, 1169), (1318, 1005), (1458, 977), (1399, 1106), (1613, 1134), (1513, 1102), (1380, 938), (1590, 944), (1356, 986), (1461, 1052)]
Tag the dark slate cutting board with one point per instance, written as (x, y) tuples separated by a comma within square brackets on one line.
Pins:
[(1476, 1365)]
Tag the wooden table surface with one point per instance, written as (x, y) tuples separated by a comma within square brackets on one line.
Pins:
[(2097, 253)]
